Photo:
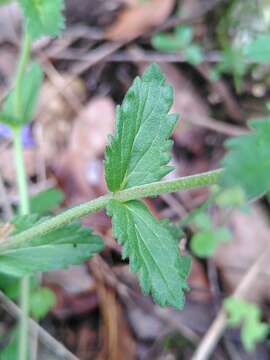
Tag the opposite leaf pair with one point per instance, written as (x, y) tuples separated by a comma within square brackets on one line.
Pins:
[(139, 154)]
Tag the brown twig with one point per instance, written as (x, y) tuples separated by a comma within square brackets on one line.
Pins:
[(211, 338), (44, 336)]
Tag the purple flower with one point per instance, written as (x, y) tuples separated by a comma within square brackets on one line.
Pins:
[(27, 135)]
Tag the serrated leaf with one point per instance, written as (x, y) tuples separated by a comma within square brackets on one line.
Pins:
[(43, 17), (69, 245), (46, 201), (153, 252), (259, 49), (140, 150), (31, 83), (246, 315), (248, 162)]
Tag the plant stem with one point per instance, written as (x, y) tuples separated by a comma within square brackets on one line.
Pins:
[(24, 209), (153, 189), (23, 61), (23, 190)]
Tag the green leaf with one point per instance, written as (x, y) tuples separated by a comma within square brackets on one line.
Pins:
[(205, 242), (11, 351), (259, 49), (69, 245), (248, 162), (153, 252), (233, 61), (8, 120), (4, 2), (248, 315), (32, 82), (140, 150), (46, 201), (172, 42), (41, 302), (194, 54), (231, 197), (43, 17)]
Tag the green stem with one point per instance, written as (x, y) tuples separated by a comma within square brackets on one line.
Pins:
[(23, 61), (24, 209), (153, 189), (23, 190)]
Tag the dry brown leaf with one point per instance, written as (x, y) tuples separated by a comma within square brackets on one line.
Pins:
[(250, 237), (137, 19), (92, 126), (55, 117), (82, 163), (198, 282), (116, 337)]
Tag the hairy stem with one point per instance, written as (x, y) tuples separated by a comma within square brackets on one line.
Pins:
[(153, 189), (24, 209), (23, 61), (23, 191)]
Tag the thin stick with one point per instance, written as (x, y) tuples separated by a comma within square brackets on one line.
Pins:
[(44, 336), (211, 338)]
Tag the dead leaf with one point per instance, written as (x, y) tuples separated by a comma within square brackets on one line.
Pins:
[(117, 340), (198, 283), (138, 18), (250, 237), (82, 163), (92, 126), (55, 117)]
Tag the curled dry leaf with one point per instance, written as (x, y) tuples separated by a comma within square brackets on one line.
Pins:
[(139, 17)]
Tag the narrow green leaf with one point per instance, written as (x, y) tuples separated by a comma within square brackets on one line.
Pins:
[(140, 150), (31, 83), (248, 315), (69, 245), (43, 17), (153, 252), (248, 162)]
